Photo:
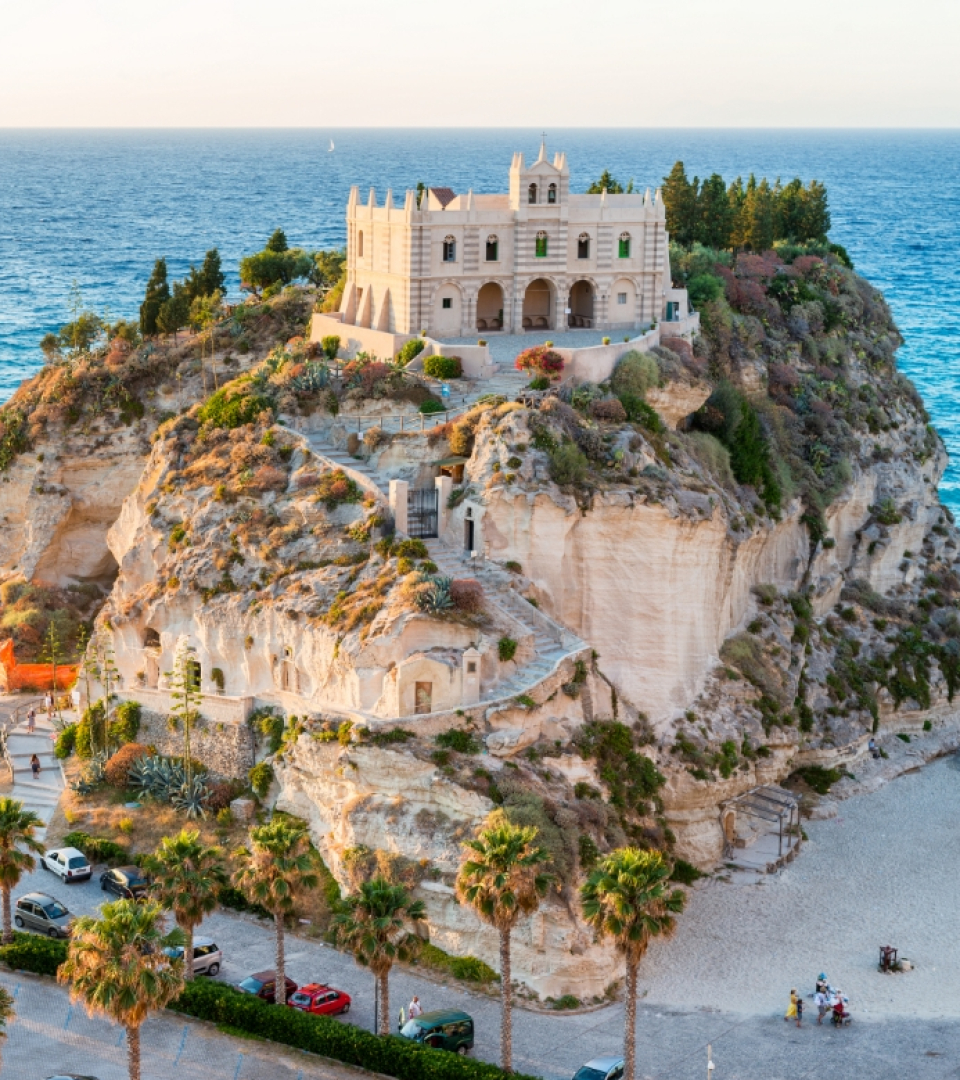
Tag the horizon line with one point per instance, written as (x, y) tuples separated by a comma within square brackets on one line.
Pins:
[(469, 127)]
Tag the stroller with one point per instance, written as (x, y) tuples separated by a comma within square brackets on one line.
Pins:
[(841, 1013)]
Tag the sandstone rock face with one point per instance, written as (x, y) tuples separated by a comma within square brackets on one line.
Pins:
[(654, 591), (56, 512), (364, 797)]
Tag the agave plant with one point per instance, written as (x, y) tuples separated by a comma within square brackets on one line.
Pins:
[(436, 596), (192, 797), (140, 771), (314, 377)]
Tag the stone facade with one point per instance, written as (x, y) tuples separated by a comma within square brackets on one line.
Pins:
[(536, 258), (225, 747)]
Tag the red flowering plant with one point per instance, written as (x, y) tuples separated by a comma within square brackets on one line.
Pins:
[(541, 360)]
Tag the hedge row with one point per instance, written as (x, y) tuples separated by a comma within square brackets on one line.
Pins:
[(221, 1004), (391, 1056), (30, 952)]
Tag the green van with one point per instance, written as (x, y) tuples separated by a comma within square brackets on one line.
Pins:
[(445, 1029)]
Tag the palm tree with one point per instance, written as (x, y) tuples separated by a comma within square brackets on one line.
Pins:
[(187, 878), (626, 899), (117, 967), (6, 1016), (501, 877), (376, 928), (18, 844), (278, 865)]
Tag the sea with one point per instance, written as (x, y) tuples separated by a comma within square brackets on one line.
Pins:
[(84, 213)]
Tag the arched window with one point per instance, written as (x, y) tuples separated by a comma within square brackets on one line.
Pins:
[(359, 245), (449, 249), (541, 248), (532, 194), (625, 245), (583, 246), (493, 249), (552, 193)]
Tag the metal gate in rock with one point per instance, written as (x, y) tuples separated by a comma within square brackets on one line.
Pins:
[(422, 513)]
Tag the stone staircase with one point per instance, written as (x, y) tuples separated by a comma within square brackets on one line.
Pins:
[(40, 795), (548, 638), (340, 459), (552, 642)]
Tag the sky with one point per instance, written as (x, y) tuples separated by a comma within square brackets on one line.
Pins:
[(492, 63)]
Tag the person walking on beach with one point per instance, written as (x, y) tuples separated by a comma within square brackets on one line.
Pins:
[(35, 766), (820, 1000), (791, 1013)]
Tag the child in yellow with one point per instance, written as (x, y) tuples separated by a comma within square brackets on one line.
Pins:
[(791, 1013)]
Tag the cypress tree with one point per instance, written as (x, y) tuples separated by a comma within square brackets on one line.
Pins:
[(760, 213), (790, 212), (158, 292), (815, 217), (606, 182), (714, 218), (277, 242), (680, 201), (211, 274), (737, 198)]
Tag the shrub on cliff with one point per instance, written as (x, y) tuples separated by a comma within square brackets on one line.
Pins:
[(635, 373), (443, 367), (413, 348), (118, 766), (125, 725), (467, 595), (336, 488), (568, 465), (234, 405)]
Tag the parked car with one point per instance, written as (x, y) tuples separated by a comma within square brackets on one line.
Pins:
[(37, 911), (601, 1068), (207, 956), (264, 986), (320, 999), (71, 1076), (127, 882), (445, 1029), (67, 863)]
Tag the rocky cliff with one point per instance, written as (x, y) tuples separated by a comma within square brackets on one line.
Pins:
[(745, 539)]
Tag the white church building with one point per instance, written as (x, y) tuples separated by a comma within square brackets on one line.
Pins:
[(535, 258)]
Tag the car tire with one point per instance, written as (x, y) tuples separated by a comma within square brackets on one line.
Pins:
[(213, 969), (18, 921), (103, 885), (462, 1050), (345, 1009), (53, 932)]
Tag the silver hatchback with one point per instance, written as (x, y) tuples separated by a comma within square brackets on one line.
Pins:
[(207, 956), (42, 913)]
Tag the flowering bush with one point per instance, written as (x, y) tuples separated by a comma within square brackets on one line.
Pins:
[(542, 360)]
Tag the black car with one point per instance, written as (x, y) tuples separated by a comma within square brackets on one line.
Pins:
[(127, 882)]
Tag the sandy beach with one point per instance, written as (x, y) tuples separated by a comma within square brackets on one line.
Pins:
[(885, 870)]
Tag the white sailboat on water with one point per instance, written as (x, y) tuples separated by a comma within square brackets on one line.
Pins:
[(331, 148)]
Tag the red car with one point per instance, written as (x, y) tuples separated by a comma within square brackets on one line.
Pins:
[(320, 1000)]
